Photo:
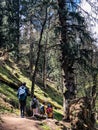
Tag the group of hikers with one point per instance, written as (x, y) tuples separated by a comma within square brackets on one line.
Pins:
[(37, 109)]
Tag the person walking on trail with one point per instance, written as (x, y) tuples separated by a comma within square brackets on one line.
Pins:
[(22, 96), (35, 106), (49, 111), (43, 109)]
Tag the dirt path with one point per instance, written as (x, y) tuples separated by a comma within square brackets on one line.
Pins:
[(16, 123), (10, 122)]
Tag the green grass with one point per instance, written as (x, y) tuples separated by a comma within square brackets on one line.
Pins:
[(8, 92), (7, 96), (44, 126), (58, 115)]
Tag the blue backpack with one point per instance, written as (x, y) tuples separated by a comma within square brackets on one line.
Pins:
[(42, 109), (34, 103), (22, 93)]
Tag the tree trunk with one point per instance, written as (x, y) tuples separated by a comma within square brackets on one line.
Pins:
[(31, 50), (67, 61), (44, 64), (38, 55), (17, 30), (31, 58)]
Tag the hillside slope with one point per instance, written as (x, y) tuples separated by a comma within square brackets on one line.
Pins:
[(11, 75)]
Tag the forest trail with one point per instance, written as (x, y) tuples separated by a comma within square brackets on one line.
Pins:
[(9, 122), (17, 123)]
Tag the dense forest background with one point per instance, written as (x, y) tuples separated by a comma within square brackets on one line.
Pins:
[(52, 40)]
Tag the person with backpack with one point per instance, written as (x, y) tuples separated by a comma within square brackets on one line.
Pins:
[(49, 111), (22, 96), (34, 105), (43, 109)]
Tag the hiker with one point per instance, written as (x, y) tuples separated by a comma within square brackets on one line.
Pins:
[(22, 96), (49, 111), (43, 109), (35, 105)]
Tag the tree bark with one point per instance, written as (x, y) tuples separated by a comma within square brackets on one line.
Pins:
[(38, 55), (17, 30), (44, 64), (67, 61), (31, 50)]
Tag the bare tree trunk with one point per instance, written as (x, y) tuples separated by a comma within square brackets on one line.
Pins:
[(45, 58), (31, 50), (44, 64), (38, 55), (17, 31), (31, 58)]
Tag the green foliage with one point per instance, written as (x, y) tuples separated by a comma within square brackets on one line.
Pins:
[(9, 23)]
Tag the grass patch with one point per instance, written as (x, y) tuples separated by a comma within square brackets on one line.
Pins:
[(8, 99), (10, 93), (44, 126), (58, 115)]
